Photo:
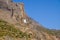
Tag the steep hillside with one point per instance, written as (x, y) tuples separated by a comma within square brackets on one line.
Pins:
[(16, 25), (9, 32)]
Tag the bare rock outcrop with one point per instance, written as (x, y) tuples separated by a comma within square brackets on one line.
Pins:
[(13, 12)]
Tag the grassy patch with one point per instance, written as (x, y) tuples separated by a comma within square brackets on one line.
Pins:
[(6, 29)]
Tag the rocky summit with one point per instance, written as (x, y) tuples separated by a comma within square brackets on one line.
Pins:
[(15, 24)]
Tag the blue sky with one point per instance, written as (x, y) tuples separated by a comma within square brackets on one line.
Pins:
[(46, 12)]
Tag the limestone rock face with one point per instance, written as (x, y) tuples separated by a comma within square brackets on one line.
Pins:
[(12, 11), (27, 28)]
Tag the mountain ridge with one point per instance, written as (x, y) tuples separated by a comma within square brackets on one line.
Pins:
[(15, 24)]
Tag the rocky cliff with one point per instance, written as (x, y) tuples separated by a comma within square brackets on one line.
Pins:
[(16, 25)]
